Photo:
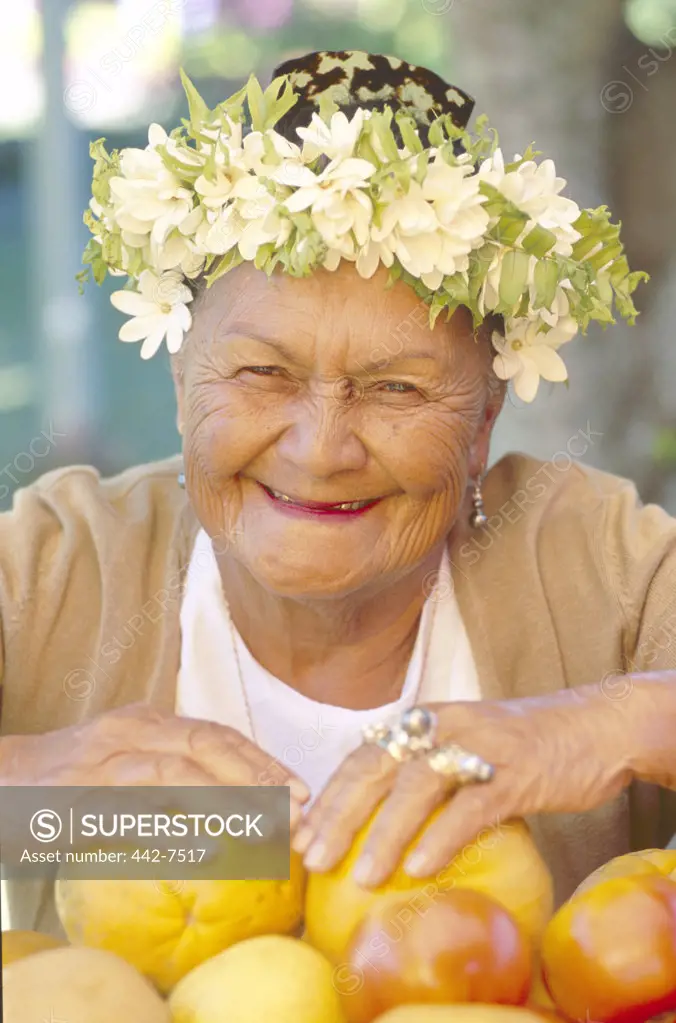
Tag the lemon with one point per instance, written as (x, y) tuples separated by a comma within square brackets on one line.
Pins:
[(267, 978)]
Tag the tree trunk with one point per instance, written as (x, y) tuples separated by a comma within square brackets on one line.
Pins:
[(551, 74)]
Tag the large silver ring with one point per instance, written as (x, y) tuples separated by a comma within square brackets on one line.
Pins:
[(413, 734), (458, 765)]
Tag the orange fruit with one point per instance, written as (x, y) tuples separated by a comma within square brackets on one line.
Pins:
[(609, 954)]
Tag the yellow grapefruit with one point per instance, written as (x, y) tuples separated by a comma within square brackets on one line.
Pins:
[(502, 862), (78, 985), (647, 861), (167, 928), (267, 978)]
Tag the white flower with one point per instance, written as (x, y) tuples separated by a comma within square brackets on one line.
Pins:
[(371, 255), (535, 188), (251, 218), (148, 198), (183, 154), (336, 198), (526, 354), (340, 177), (253, 156), (220, 235), (335, 140), (434, 227), (214, 194), (158, 310), (456, 200)]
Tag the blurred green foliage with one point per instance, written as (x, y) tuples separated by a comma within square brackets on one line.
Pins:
[(664, 447)]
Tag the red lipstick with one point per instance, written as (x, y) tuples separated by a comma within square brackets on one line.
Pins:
[(317, 509)]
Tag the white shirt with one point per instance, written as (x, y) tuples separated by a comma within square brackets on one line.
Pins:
[(308, 737)]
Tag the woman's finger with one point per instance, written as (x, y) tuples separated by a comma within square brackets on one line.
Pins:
[(417, 792), (347, 802), (471, 810), (224, 753)]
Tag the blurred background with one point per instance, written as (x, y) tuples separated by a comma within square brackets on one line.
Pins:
[(592, 84)]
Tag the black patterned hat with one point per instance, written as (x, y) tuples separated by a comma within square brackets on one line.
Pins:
[(354, 78)]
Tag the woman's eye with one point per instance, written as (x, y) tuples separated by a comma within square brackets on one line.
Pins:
[(398, 387), (261, 370)]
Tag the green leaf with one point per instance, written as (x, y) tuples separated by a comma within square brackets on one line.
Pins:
[(230, 259), (546, 280), (437, 305), (199, 111), (605, 288), (263, 253), (82, 278), (513, 278), (277, 106), (422, 163), (407, 130), (233, 107), (111, 250), (435, 133), (605, 255), (456, 288), (99, 270), (538, 242), (256, 103), (510, 227), (600, 312), (522, 311), (480, 262), (401, 172), (379, 125), (327, 107), (365, 151)]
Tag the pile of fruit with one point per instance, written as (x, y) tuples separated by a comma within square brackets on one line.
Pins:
[(478, 943)]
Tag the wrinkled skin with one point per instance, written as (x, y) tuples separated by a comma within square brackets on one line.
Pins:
[(283, 382)]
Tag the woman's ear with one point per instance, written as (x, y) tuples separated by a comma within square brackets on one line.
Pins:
[(496, 392)]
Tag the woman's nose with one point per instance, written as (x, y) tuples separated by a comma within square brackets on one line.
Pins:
[(321, 440)]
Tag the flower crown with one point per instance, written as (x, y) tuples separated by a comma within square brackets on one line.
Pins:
[(450, 217)]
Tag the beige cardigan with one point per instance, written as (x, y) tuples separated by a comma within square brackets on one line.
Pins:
[(571, 579)]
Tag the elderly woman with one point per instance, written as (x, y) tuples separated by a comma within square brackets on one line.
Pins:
[(328, 591)]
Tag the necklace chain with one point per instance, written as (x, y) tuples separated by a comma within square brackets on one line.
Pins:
[(240, 673)]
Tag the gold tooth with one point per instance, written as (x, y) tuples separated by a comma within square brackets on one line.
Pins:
[(347, 506)]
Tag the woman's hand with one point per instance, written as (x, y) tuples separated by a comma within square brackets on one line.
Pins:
[(564, 753), (137, 745)]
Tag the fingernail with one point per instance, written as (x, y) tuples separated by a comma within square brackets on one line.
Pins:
[(296, 815), (302, 840), (416, 865), (299, 790), (315, 857), (363, 871)]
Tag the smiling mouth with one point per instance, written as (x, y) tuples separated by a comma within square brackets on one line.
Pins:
[(321, 507)]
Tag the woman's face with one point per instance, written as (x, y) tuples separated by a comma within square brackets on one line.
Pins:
[(299, 395)]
